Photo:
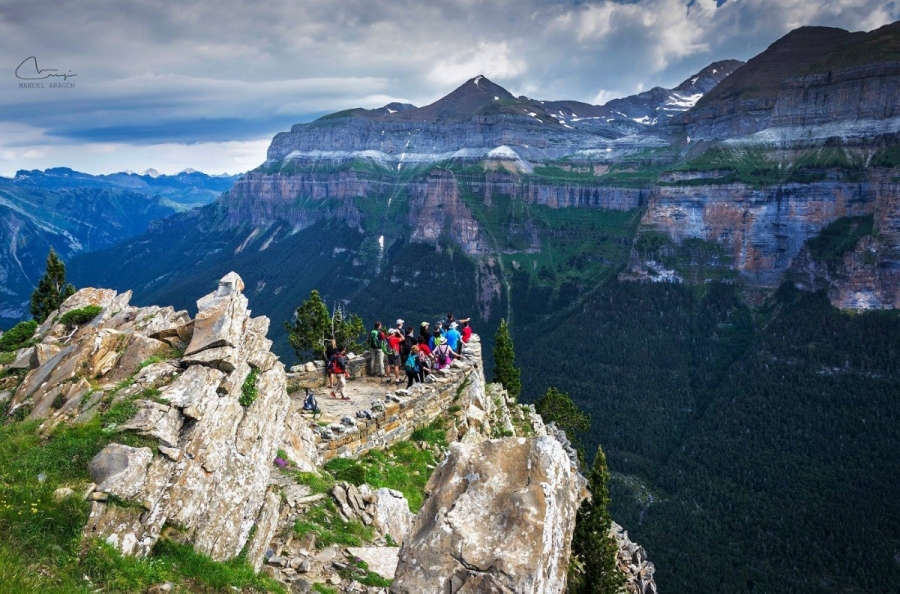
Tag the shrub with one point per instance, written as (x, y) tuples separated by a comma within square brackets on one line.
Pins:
[(80, 316), (248, 390), (17, 336)]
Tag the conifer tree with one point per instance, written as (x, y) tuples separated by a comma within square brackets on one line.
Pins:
[(314, 327), (592, 542), (52, 289), (557, 407), (505, 370), (311, 327)]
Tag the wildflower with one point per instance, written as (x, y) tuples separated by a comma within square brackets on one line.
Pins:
[(280, 463)]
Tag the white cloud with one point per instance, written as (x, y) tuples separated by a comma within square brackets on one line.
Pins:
[(493, 60), (97, 158)]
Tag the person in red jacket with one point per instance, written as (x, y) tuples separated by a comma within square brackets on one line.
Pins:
[(466, 330), (339, 367)]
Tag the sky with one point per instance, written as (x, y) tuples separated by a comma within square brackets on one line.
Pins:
[(205, 85)]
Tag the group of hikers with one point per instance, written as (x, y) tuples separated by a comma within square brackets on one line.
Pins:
[(398, 347)]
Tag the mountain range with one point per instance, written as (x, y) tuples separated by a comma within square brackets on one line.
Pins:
[(73, 212), (681, 262)]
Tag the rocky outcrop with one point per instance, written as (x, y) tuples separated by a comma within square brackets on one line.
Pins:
[(386, 510), (436, 208), (207, 476), (499, 518), (632, 561), (867, 276)]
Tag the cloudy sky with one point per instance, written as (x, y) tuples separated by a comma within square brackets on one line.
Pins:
[(207, 84)]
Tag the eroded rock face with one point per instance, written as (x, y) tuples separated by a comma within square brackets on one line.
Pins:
[(631, 560), (499, 518), (210, 477), (212, 481)]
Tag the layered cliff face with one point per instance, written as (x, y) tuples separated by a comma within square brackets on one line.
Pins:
[(761, 230)]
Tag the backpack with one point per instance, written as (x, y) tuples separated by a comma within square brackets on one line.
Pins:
[(374, 341), (412, 365), (442, 354), (310, 402), (337, 361)]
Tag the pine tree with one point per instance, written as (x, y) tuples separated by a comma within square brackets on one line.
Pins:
[(557, 407), (592, 542), (52, 289), (505, 370), (311, 327)]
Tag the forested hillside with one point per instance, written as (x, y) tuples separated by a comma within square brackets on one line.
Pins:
[(753, 450)]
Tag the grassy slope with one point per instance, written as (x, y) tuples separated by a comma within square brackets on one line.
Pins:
[(42, 549)]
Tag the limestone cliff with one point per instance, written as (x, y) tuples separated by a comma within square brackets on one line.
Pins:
[(205, 470)]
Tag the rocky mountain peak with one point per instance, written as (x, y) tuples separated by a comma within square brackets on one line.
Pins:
[(473, 96), (706, 80)]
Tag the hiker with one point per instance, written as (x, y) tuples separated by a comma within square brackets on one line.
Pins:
[(309, 403), (409, 341), (393, 355), (399, 326), (411, 365), (426, 359), (424, 331), (442, 353), (450, 319), (376, 349), (466, 330), (341, 369), (454, 338), (330, 351), (438, 331)]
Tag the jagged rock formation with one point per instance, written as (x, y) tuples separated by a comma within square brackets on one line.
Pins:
[(760, 229), (481, 119), (632, 561), (499, 518), (385, 509), (207, 476)]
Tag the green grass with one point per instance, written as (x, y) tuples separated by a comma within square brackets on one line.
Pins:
[(886, 157), (880, 45), (318, 483), (323, 519), (248, 390), (403, 467), (323, 589), (41, 548), (18, 336), (6, 358), (760, 167)]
